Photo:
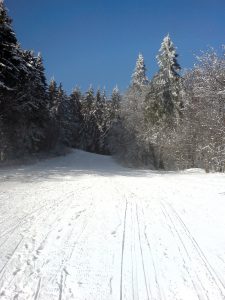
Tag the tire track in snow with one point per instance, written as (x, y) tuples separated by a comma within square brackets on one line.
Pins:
[(67, 256), (200, 252), (38, 289), (188, 270), (69, 246), (36, 252), (152, 259), (133, 255), (60, 284), (122, 250), (24, 219), (142, 257), (5, 265)]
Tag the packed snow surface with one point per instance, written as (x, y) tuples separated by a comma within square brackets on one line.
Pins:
[(83, 227)]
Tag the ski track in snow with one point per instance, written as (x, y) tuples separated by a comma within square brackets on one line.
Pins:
[(83, 227)]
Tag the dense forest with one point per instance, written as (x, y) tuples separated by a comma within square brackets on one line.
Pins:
[(175, 120)]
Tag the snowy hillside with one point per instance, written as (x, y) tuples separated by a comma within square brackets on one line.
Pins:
[(83, 227)]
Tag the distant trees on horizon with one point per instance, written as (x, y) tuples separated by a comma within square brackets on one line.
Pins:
[(170, 121)]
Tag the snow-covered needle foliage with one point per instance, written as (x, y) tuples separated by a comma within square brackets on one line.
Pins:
[(167, 58), (139, 77)]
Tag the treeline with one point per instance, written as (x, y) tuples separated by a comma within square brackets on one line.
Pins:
[(175, 120), (35, 116)]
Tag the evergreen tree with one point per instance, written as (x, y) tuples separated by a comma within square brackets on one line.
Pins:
[(163, 105), (98, 124), (139, 77), (31, 105), (59, 114), (167, 59), (63, 116), (77, 119), (52, 93), (167, 83), (11, 61), (23, 95), (104, 121), (8, 78), (116, 100), (53, 128), (87, 127)]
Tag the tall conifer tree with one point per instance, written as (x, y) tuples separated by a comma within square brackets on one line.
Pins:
[(139, 77)]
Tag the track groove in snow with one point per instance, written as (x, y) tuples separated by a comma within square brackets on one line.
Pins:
[(142, 257), (210, 269), (83, 227), (122, 252)]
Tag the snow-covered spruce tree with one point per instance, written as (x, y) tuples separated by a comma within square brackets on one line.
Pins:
[(116, 99), (75, 103), (61, 115), (32, 106), (64, 117), (120, 138), (109, 116), (139, 77), (11, 61), (23, 97), (53, 129), (163, 105), (127, 143), (98, 111), (100, 122), (167, 81), (11, 64), (95, 121), (133, 98), (52, 93), (112, 121), (88, 126)]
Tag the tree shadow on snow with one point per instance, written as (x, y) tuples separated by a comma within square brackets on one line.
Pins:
[(77, 163)]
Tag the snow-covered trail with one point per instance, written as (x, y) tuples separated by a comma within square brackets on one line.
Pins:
[(83, 227)]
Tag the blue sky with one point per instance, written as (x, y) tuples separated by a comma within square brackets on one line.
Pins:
[(96, 42)]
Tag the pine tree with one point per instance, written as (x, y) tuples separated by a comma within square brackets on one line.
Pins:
[(98, 111), (41, 116), (88, 124), (31, 105), (11, 62), (52, 92), (116, 100), (167, 59), (53, 128), (167, 83), (76, 100), (163, 104), (139, 77), (103, 121), (59, 114), (63, 116), (14, 72)]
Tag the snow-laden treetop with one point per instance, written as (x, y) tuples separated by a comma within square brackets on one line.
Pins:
[(116, 90), (167, 58), (139, 76)]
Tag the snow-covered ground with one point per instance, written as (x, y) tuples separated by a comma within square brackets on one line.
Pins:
[(83, 227)]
